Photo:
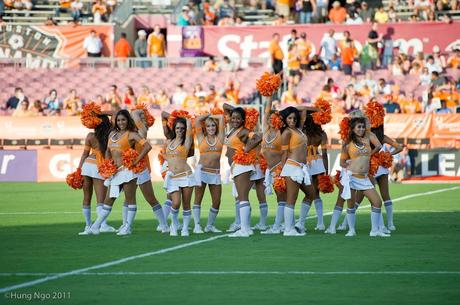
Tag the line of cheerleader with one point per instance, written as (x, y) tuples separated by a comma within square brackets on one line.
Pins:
[(286, 155)]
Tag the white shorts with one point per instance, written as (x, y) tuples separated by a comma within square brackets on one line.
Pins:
[(143, 177), (238, 169), (382, 171), (360, 184), (299, 172), (316, 167), (173, 182), (114, 182), (210, 178), (90, 170), (257, 174)]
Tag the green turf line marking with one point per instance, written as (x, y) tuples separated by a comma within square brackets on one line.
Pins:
[(130, 258)]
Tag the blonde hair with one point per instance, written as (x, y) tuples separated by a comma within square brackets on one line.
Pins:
[(211, 120)]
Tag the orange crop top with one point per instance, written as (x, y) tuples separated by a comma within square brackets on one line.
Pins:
[(205, 147), (354, 151), (298, 139), (177, 152), (274, 145), (96, 152), (234, 142), (121, 144)]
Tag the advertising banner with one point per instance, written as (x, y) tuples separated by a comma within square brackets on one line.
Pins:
[(40, 45), (192, 41), (18, 165)]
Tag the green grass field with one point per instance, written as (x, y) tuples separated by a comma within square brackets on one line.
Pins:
[(419, 264)]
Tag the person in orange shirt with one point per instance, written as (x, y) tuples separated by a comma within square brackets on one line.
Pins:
[(212, 97), (232, 92), (337, 14), (156, 45), (161, 99), (99, 11), (347, 55), (145, 97), (304, 47), (454, 60), (409, 104), (123, 49), (276, 54), (294, 64), (290, 96)]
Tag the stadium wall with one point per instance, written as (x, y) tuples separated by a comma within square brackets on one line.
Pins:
[(54, 165)]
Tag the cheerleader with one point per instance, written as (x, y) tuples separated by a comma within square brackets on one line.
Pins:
[(210, 141), (144, 178), (179, 180), (93, 155), (294, 146), (240, 142), (257, 178), (272, 152), (123, 138), (354, 159), (317, 165)]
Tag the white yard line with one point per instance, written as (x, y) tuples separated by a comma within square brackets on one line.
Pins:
[(161, 251), (153, 273)]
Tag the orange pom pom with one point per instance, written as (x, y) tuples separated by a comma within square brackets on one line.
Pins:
[(178, 114), (129, 157), (324, 115), (375, 113), (276, 121), (385, 159), (344, 128), (325, 184), (150, 120), (161, 156), (219, 111), (268, 83), (107, 168), (252, 117), (262, 163), (279, 183), (336, 179), (89, 115), (373, 164), (240, 157), (75, 179)]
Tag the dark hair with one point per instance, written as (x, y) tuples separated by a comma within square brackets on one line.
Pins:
[(114, 86), (310, 128), (353, 122), (241, 111), (286, 112), (123, 35), (379, 133), (102, 132), (131, 125), (173, 131)]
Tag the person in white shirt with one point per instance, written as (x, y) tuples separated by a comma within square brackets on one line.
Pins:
[(432, 66), (329, 45), (179, 95), (93, 45), (76, 7)]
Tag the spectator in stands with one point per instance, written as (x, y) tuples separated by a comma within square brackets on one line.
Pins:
[(391, 106), (368, 58), (396, 68), (334, 63), (454, 59), (321, 10), (161, 99), (425, 77), (337, 14), (422, 7), (72, 103), (373, 39), (226, 65), (304, 47), (52, 101), (276, 54), (99, 11), (431, 16), (432, 65), (226, 10), (366, 13), (122, 49), (436, 80), (179, 95), (209, 17), (328, 45), (410, 104), (64, 6), (193, 12), (50, 21), (76, 8), (369, 82), (392, 16), (316, 64), (110, 4), (283, 7), (446, 18), (113, 97), (211, 65), (442, 110), (347, 57), (334, 89), (156, 46), (140, 48), (293, 64), (129, 98), (439, 59), (306, 10), (145, 97), (292, 38), (13, 102), (352, 100), (93, 45), (354, 18), (232, 92), (37, 108), (381, 16), (290, 96), (446, 5), (23, 110), (184, 18), (212, 97)]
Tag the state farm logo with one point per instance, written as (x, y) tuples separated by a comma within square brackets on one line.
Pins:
[(61, 165), (31, 43)]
